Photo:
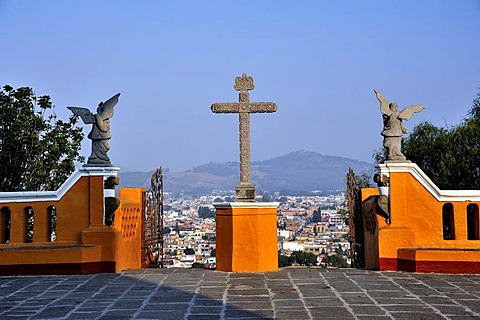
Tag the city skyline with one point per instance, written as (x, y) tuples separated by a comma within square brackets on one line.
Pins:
[(319, 61)]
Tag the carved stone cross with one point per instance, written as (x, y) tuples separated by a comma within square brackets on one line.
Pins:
[(245, 191)]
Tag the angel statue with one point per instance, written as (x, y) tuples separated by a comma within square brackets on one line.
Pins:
[(393, 128), (100, 133)]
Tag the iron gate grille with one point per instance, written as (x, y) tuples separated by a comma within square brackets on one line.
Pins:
[(355, 221), (152, 242)]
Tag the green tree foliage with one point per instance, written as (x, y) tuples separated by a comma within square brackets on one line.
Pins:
[(362, 181), (189, 251), (37, 150), (303, 258), (167, 230), (449, 156), (283, 261), (267, 198), (474, 112), (213, 253), (282, 199), (177, 228), (316, 216), (206, 212), (198, 265), (343, 212), (335, 260)]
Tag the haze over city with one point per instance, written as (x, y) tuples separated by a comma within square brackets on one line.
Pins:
[(319, 61)]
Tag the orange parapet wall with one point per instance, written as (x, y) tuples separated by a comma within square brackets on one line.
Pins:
[(63, 231), (128, 220), (431, 230), (246, 237)]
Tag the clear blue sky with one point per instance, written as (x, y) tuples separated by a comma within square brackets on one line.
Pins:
[(318, 60)]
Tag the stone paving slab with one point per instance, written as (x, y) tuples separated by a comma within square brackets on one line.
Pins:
[(290, 293)]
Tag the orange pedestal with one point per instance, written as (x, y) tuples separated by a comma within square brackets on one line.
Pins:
[(247, 237)]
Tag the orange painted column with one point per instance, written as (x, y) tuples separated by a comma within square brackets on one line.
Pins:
[(247, 236), (98, 233), (128, 220)]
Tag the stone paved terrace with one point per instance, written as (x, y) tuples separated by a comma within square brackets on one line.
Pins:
[(292, 293)]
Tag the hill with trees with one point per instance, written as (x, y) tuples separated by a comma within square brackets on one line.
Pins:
[(298, 172)]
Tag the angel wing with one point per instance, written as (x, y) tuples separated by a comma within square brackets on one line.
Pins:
[(408, 112), (84, 113), (384, 106), (106, 108)]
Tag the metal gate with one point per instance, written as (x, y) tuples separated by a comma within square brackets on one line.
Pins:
[(152, 241), (355, 221)]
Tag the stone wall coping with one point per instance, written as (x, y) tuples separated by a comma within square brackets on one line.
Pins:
[(35, 196), (427, 183), (252, 205)]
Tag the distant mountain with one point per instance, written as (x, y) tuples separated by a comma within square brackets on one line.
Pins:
[(295, 172)]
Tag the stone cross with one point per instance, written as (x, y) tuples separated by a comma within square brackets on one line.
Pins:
[(245, 191)]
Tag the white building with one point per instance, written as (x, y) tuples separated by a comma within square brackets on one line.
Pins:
[(293, 246)]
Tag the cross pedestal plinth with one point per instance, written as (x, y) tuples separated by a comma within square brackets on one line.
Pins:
[(247, 236), (245, 192)]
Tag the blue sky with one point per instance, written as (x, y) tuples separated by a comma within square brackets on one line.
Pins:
[(318, 60)]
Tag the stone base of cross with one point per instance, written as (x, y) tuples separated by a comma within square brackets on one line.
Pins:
[(245, 192)]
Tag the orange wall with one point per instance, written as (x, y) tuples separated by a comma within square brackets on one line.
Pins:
[(128, 220), (416, 222), (81, 235), (413, 208), (73, 214), (247, 239)]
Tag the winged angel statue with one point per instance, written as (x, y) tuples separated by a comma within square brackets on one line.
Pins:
[(100, 133), (393, 128)]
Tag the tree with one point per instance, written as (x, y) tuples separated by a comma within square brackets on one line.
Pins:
[(316, 216), (206, 212), (303, 258), (335, 260), (362, 181), (37, 150), (177, 228), (339, 250), (189, 251), (198, 265), (267, 198), (283, 261), (213, 253), (433, 157), (449, 156), (474, 112), (283, 200)]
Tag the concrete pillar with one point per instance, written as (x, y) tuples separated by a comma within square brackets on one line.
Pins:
[(247, 236)]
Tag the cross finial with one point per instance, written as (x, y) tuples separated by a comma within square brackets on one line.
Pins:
[(243, 83)]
